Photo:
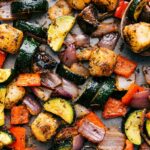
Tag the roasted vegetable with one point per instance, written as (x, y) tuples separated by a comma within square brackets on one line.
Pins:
[(58, 31), (114, 108), (3, 56), (30, 27), (19, 134), (106, 89), (108, 5), (43, 61), (109, 41), (136, 8), (67, 73), (28, 79), (87, 19), (13, 95), (113, 139), (137, 36), (2, 115), (60, 8), (146, 71), (123, 83), (42, 93), (19, 115), (60, 107), (44, 127), (63, 145), (10, 38), (148, 127), (78, 4), (6, 138), (24, 58), (133, 126), (30, 6), (4, 74), (99, 63), (105, 28), (66, 133), (124, 67), (88, 92)]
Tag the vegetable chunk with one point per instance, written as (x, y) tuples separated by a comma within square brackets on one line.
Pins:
[(44, 127), (10, 38), (138, 36)]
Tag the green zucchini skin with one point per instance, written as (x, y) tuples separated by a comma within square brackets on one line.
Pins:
[(67, 112), (88, 92), (133, 126), (106, 89), (30, 27), (67, 74), (24, 58), (11, 77), (136, 9), (29, 6), (63, 145)]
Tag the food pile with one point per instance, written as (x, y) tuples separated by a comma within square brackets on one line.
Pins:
[(63, 86)]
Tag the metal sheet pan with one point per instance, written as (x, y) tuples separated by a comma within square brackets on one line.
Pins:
[(121, 48)]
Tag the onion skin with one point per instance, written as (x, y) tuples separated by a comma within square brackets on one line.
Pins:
[(91, 132), (32, 105), (140, 100), (78, 142)]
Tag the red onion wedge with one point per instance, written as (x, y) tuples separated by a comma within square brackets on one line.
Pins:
[(50, 80), (80, 111), (78, 142), (109, 41), (105, 28), (42, 93), (68, 56), (140, 99), (91, 132), (32, 105), (67, 90), (113, 140)]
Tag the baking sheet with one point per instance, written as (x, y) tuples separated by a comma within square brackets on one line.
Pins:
[(121, 48)]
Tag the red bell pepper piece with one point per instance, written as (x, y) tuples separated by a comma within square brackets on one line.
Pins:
[(121, 9), (29, 79), (114, 108), (129, 145), (19, 133), (134, 88), (2, 58)]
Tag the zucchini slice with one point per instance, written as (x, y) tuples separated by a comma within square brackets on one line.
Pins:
[(6, 138), (106, 89), (59, 30), (2, 115), (66, 72), (148, 127), (24, 58), (88, 92), (63, 145), (2, 94), (136, 9), (4, 75), (133, 126), (29, 6), (30, 27), (62, 108)]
